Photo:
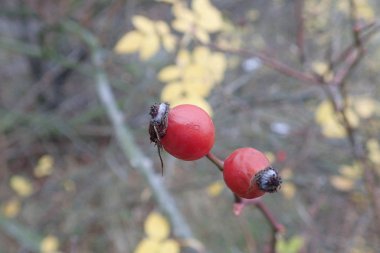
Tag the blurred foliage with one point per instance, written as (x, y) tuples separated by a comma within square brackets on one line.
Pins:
[(66, 187), (157, 231)]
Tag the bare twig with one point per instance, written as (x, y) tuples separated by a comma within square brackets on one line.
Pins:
[(123, 134), (349, 58), (353, 19), (271, 63), (349, 64), (366, 32), (137, 159), (277, 227)]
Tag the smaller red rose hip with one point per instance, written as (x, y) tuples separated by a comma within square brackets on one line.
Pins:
[(247, 172), (185, 131)]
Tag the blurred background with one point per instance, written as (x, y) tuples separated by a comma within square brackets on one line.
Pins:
[(298, 80)]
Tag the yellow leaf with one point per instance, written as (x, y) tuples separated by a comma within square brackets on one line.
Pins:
[(342, 183), (49, 244), (327, 119), (202, 36), (214, 189), (373, 147), (169, 73), (288, 190), (44, 166), (364, 10), (218, 64), (201, 56), (197, 88), (332, 129), (352, 172), (169, 246), (194, 73), (147, 246), (129, 43), (208, 17), (324, 112), (183, 58), (211, 22), (21, 185), (352, 118), (181, 25), (143, 24), (169, 42), (156, 226), (11, 208), (172, 91), (181, 12), (149, 46), (194, 100), (185, 19), (162, 28), (320, 67), (374, 157), (365, 107)]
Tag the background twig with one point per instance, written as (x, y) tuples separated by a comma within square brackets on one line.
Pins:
[(137, 159)]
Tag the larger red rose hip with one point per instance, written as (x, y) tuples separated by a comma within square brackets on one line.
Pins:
[(190, 133)]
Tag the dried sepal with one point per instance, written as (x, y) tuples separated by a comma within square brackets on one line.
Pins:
[(268, 180), (158, 125)]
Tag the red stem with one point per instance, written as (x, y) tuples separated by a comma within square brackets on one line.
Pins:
[(215, 160), (276, 226)]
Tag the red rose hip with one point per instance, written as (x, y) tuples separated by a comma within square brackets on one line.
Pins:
[(190, 134), (247, 172), (185, 131)]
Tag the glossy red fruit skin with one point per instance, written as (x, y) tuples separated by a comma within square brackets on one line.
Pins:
[(190, 134), (240, 169)]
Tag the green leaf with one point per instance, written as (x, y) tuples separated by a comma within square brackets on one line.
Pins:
[(293, 245)]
